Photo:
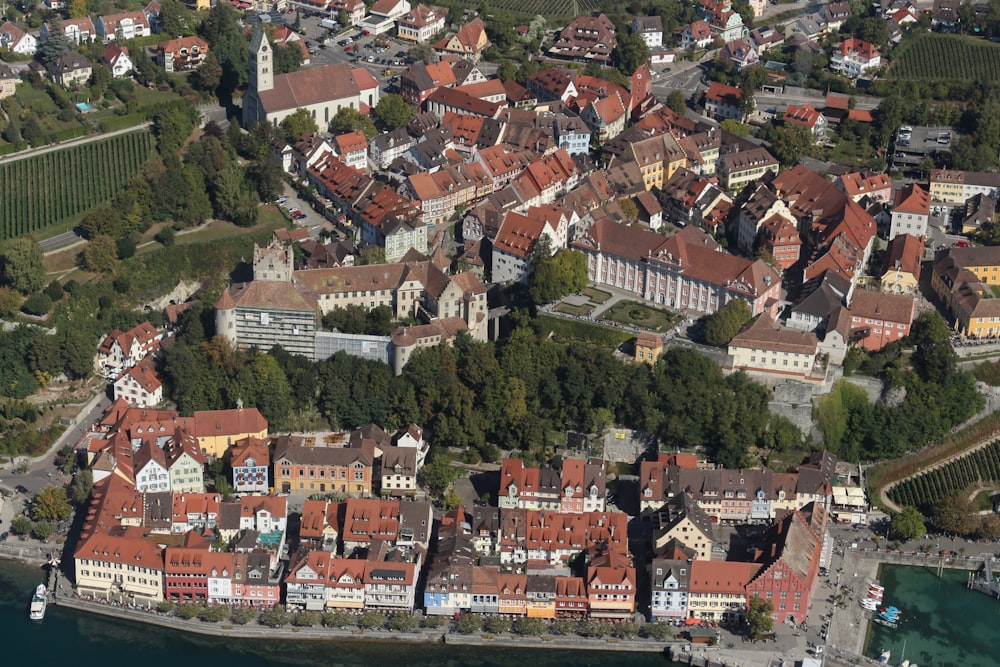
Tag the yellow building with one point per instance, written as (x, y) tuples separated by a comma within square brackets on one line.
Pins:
[(216, 430), (717, 590), (648, 348), (658, 158), (126, 568), (967, 280)]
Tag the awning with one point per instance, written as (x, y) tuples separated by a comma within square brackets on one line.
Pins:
[(692, 621)]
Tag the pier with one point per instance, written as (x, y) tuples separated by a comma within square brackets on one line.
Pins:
[(984, 581)]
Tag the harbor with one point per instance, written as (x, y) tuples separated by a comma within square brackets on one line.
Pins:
[(984, 581)]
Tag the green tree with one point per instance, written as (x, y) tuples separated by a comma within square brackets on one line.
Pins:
[(677, 102), (554, 277), (56, 45), (77, 351), (497, 625), (10, 302), (174, 18), (20, 525), (208, 75), (37, 304), (723, 324), (350, 120), (287, 58), (42, 530), (907, 524), (221, 29), (404, 621), (100, 255), (372, 620), (422, 52), (392, 111), (78, 490), (338, 618), (759, 619), (629, 209), (789, 143), (77, 9), (51, 504), (955, 514), (189, 610), (468, 623), (275, 617), (438, 473), (530, 626), (297, 124), (630, 52), (21, 265), (307, 619), (243, 615), (215, 613), (659, 631)]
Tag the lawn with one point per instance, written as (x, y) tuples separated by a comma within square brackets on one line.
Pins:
[(596, 295), (582, 331), (269, 220), (640, 315), (570, 309)]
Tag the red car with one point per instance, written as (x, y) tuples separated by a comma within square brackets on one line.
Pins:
[(295, 212), (348, 48)]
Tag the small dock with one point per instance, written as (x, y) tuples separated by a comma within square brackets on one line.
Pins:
[(984, 581)]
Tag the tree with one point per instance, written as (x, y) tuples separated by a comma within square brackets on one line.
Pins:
[(338, 618), (468, 623), (422, 52), (759, 620), (275, 617), (677, 102), (287, 58), (51, 504), (350, 120), (10, 302), (37, 304), (393, 111), (243, 615), (438, 473), (629, 209), (372, 620), (404, 621), (956, 514), (788, 143), (726, 322), (77, 9), (660, 631), (42, 530), (189, 610), (497, 625), (21, 265), (56, 45), (215, 613), (293, 127), (554, 277), (174, 18), (307, 619), (20, 525), (78, 490), (100, 255), (907, 524), (631, 52), (530, 626), (208, 75)]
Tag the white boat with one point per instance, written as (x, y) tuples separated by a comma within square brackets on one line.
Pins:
[(883, 659), (38, 602)]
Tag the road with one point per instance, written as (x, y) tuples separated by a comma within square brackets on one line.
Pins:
[(59, 240)]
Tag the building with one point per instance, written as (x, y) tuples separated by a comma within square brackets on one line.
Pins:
[(217, 430), (580, 487), (855, 57), (124, 26), (762, 348), (124, 349), (805, 115), (957, 187), (648, 348), (879, 318), (740, 167), (682, 520), (910, 212), (421, 23), (16, 40), (303, 469), (901, 266), (70, 69), (689, 270), (717, 590), (250, 460), (469, 42), (352, 149), (586, 39), (79, 30), (723, 101), (650, 28), (398, 471), (322, 91), (140, 385), (858, 185), (964, 280), (741, 52), (670, 574), (8, 81), (121, 566), (185, 464), (697, 35), (182, 54), (117, 60)]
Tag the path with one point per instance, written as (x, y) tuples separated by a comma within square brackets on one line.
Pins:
[(22, 155)]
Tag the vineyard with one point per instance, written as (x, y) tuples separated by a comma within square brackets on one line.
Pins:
[(44, 190), (550, 9), (962, 474), (933, 56)]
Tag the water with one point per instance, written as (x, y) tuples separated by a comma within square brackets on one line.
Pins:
[(944, 624), (76, 638)]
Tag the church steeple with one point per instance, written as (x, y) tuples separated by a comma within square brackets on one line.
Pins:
[(261, 75)]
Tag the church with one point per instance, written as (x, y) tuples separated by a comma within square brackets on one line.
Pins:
[(322, 90)]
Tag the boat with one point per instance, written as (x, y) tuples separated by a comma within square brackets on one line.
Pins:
[(38, 602), (883, 658), (889, 616)]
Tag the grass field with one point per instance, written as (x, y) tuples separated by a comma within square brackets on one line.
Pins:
[(595, 295), (45, 190), (933, 56), (640, 315), (582, 331), (570, 309)]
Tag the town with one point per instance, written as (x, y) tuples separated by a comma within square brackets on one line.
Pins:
[(626, 322)]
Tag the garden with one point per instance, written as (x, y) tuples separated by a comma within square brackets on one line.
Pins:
[(633, 313)]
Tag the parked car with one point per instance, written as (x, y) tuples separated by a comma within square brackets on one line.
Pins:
[(295, 212)]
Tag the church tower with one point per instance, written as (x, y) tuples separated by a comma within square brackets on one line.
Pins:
[(260, 78)]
